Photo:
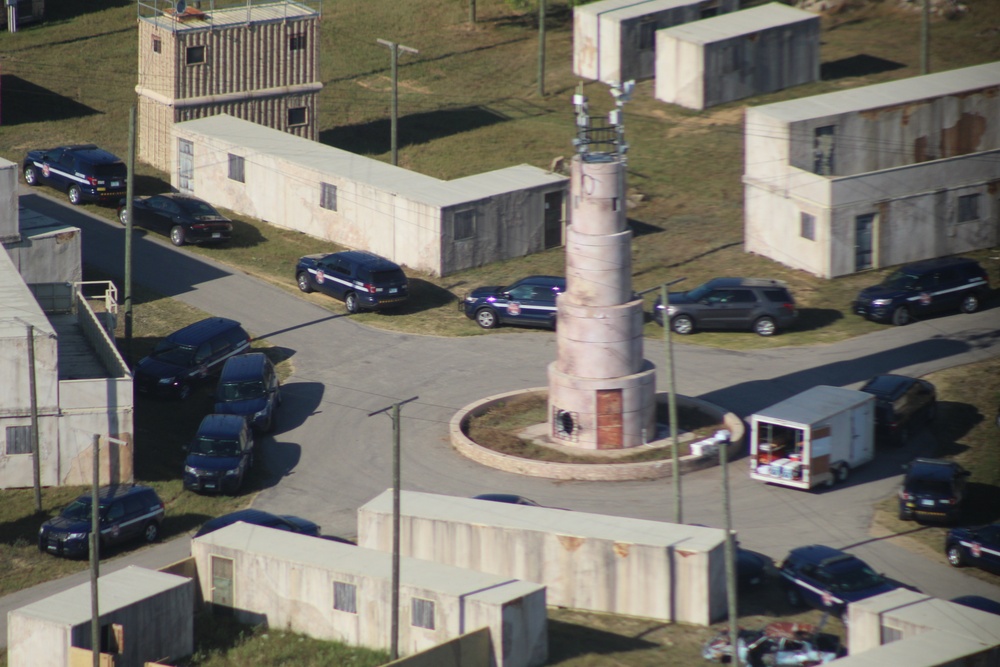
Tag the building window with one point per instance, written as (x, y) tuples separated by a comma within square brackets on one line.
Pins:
[(328, 196), (296, 116), (345, 597), (968, 208), (236, 171), (422, 612), (296, 42), (823, 145), (185, 165), (465, 224), (807, 226), (18, 440), (157, 45), (195, 55)]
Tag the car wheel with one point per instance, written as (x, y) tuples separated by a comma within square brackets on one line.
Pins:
[(901, 316), (74, 194), (351, 302), (151, 532), (303, 282), (486, 318), (904, 515), (765, 326), (177, 235), (271, 424), (30, 176), (955, 556), (123, 216), (970, 303), (842, 471), (793, 597), (682, 324), (184, 392)]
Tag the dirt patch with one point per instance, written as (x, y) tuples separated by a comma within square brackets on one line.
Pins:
[(705, 123)]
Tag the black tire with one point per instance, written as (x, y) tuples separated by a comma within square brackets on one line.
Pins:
[(177, 235), (351, 303), (955, 556), (901, 316), (904, 515), (682, 325), (793, 597), (842, 472), (487, 318), (765, 326), (30, 175), (123, 216), (970, 303), (303, 282), (184, 392), (271, 424), (75, 195), (151, 533)]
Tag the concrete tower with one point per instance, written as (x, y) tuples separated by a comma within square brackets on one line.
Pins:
[(602, 392)]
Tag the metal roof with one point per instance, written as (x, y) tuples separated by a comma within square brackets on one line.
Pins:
[(115, 590), (563, 522), (257, 139), (353, 560), (929, 649), (815, 404), (736, 24), (891, 93), (17, 301)]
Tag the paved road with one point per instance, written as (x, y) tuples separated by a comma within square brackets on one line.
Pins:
[(328, 457)]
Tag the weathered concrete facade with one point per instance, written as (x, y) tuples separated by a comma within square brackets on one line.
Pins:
[(419, 221), (876, 176), (614, 40), (152, 609), (587, 561), (338, 591), (209, 61), (725, 58)]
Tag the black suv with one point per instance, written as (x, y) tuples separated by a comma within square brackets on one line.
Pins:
[(188, 356), (127, 512), (219, 455), (248, 386), (361, 280), (901, 403), (932, 489), (924, 288), (758, 304), (83, 172), (829, 579), (530, 301)]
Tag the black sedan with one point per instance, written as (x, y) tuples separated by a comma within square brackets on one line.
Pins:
[(184, 218), (979, 546), (292, 524)]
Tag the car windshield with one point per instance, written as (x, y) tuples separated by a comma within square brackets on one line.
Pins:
[(199, 208), (241, 391), (79, 510), (856, 579), (700, 292), (213, 447), (899, 279), (172, 353)]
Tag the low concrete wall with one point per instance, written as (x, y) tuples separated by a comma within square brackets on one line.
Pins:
[(587, 471), (470, 650)]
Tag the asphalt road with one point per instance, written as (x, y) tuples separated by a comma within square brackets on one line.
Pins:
[(328, 456)]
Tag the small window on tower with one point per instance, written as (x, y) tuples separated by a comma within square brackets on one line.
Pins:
[(157, 46), (297, 43), (195, 55), (296, 116)]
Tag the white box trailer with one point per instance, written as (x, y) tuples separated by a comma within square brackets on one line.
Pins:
[(813, 438)]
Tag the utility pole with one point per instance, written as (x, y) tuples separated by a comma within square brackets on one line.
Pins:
[(128, 235), (95, 554), (730, 553), (541, 48), (395, 48), (925, 38), (472, 12), (394, 408), (36, 465)]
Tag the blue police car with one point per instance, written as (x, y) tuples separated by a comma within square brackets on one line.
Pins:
[(530, 301), (84, 172), (829, 579)]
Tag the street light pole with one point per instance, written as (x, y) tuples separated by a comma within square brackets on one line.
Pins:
[(394, 49)]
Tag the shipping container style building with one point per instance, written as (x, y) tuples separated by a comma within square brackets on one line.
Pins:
[(615, 40), (876, 176), (341, 592), (652, 569), (252, 59), (419, 221), (19, 12), (145, 616), (734, 56)]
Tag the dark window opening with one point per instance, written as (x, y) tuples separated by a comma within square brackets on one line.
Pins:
[(18, 440), (296, 42), (195, 55), (807, 226), (296, 116), (328, 196), (464, 224), (968, 208), (157, 44)]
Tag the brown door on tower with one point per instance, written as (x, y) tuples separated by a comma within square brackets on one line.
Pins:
[(609, 418)]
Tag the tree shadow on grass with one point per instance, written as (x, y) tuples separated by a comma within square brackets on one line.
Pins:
[(26, 102), (859, 65), (569, 640), (811, 319)]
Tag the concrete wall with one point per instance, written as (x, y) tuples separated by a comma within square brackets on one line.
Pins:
[(473, 649), (9, 231)]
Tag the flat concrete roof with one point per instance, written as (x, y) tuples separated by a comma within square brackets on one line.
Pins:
[(930, 612), (115, 590), (736, 24), (814, 404), (258, 139), (891, 93), (206, 19), (624, 9), (563, 522), (17, 301), (930, 649), (354, 560), (36, 225)]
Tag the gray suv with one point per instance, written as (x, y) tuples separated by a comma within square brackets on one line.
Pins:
[(756, 304)]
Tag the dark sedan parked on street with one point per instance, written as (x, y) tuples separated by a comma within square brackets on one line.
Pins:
[(185, 219)]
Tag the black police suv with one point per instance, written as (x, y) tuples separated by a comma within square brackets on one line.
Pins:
[(933, 489), (362, 280), (292, 524), (126, 512), (219, 455), (188, 356), (756, 304), (248, 386), (530, 301), (829, 579), (925, 288), (84, 172), (185, 219), (979, 546), (901, 404)]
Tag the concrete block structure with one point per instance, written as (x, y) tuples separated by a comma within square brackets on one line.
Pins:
[(730, 57), (145, 616), (614, 40), (419, 221), (651, 569), (904, 627), (22, 12), (252, 59), (342, 592), (875, 176)]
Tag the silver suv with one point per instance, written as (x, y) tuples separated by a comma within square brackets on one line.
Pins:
[(756, 304)]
